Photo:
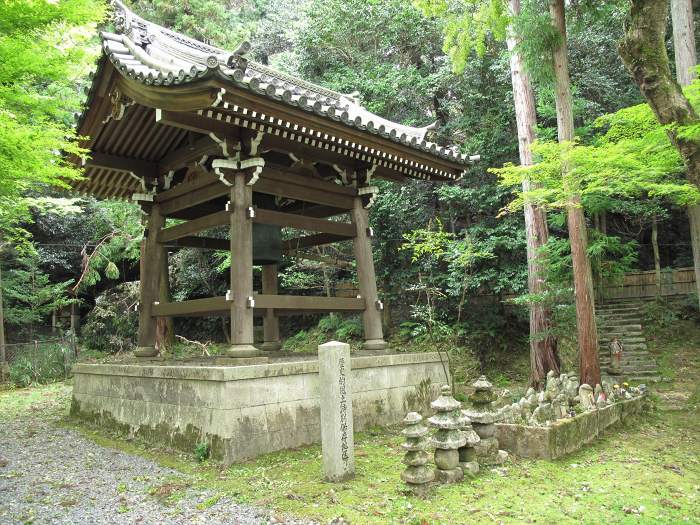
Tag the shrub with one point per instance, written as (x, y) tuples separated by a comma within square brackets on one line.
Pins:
[(112, 325), (49, 363)]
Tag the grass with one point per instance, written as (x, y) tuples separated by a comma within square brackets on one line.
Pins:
[(646, 472)]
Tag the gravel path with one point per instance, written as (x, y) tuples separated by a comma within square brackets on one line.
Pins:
[(51, 475)]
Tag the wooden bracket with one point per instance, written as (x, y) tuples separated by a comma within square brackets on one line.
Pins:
[(221, 165)]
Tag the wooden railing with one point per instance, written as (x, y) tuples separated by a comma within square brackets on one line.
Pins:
[(679, 281)]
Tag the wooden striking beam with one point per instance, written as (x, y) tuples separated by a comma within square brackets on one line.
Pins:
[(318, 239), (293, 303), (142, 168), (193, 307), (278, 218), (203, 243), (186, 229), (309, 302)]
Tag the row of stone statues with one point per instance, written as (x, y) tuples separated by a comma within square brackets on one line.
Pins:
[(462, 439), (563, 397)]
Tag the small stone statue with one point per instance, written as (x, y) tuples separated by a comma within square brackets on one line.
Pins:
[(615, 348), (417, 475), (586, 398), (467, 454), (447, 438)]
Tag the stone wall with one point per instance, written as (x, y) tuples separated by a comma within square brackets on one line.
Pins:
[(246, 411), (564, 435)]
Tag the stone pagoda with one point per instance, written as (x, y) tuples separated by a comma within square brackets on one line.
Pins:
[(483, 417), (448, 436), (417, 475)]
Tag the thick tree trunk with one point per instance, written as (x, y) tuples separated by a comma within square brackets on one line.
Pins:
[(657, 257), (684, 40), (686, 60), (643, 50), (578, 238), (543, 346)]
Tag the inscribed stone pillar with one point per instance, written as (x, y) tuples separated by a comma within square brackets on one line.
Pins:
[(335, 390), (271, 325), (241, 269), (151, 253), (371, 317)]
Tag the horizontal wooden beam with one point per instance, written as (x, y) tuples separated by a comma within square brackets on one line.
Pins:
[(300, 222), (203, 243), (186, 187), (288, 303), (193, 307), (318, 239), (194, 198), (309, 302), (142, 168), (189, 228), (179, 158)]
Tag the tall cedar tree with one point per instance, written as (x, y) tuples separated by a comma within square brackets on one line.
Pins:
[(543, 346), (578, 238)]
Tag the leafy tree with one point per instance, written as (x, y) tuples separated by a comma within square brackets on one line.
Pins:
[(44, 52)]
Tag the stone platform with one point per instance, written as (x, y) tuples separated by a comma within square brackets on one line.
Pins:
[(245, 411), (565, 435)]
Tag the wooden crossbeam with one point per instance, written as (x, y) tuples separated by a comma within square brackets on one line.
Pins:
[(318, 239), (181, 157), (203, 243), (288, 303), (142, 168), (194, 197), (300, 222), (189, 228)]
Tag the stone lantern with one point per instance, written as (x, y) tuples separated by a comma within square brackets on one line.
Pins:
[(483, 418)]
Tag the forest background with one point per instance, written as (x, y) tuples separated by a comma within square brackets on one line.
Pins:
[(450, 258)]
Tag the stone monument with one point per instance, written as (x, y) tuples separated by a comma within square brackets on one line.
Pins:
[(417, 475), (447, 438), (337, 442), (467, 453), (483, 418)]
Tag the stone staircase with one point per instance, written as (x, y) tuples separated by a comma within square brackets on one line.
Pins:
[(623, 319)]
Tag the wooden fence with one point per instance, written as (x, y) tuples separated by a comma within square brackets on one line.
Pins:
[(679, 281)]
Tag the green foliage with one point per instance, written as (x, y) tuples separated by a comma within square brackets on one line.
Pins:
[(110, 326), (202, 451), (44, 52), (29, 296), (468, 25), (48, 363)]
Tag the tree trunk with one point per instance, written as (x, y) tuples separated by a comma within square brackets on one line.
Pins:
[(578, 238), (686, 60), (657, 257), (684, 40), (643, 50), (3, 357), (543, 346)]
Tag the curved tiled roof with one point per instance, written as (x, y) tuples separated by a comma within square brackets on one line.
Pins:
[(154, 55)]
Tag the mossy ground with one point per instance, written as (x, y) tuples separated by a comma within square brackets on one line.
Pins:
[(645, 472)]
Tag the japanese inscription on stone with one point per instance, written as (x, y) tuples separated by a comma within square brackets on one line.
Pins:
[(335, 393)]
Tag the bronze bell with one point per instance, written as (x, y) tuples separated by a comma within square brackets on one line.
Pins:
[(267, 238)]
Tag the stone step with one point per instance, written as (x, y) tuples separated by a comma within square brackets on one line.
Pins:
[(638, 365), (630, 354), (606, 327), (628, 342), (624, 333)]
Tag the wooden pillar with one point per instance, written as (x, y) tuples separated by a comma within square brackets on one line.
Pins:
[(241, 292), (75, 319), (271, 324), (372, 317), (151, 265)]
